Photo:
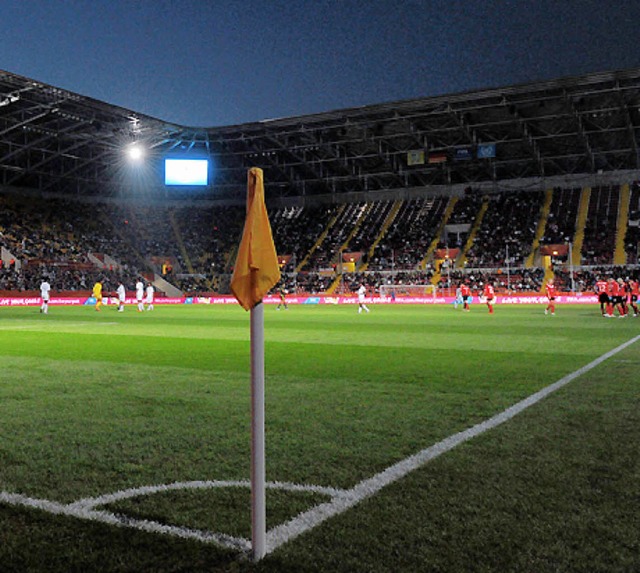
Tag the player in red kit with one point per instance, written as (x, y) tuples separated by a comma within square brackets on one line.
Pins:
[(615, 298), (489, 296), (603, 297), (465, 292), (612, 292), (634, 291), (623, 292), (550, 291)]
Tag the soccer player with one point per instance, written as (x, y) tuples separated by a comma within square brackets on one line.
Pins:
[(45, 287), (623, 292), (489, 296), (634, 290), (458, 300), (612, 292), (149, 300), (362, 291), (140, 295), (615, 299), (97, 294), (283, 302), (603, 296), (465, 292), (122, 295), (550, 291)]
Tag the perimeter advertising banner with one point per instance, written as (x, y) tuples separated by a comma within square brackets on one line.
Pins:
[(578, 298)]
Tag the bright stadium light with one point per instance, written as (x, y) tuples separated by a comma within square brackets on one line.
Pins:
[(135, 152)]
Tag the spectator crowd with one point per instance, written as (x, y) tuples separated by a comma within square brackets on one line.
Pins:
[(72, 243)]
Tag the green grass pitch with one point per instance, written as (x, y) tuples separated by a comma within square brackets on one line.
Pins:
[(96, 403)]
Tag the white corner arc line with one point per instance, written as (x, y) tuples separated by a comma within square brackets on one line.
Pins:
[(90, 503), (86, 508), (308, 520), (109, 518)]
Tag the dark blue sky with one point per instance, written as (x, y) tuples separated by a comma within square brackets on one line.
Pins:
[(216, 62)]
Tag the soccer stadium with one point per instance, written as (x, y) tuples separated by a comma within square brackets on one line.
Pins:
[(482, 414)]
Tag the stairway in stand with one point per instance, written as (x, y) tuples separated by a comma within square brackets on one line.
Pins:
[(435, 279), (178, 237), (540, 229), (383, 231), (620, 255), (581, 221), (321, 238), (462, 256)]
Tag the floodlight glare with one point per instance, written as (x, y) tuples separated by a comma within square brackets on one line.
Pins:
[(135, 153)]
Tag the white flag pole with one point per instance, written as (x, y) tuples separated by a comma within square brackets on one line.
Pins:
[(258, 480)]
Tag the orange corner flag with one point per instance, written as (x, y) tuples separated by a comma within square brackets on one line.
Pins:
[(256, 270)]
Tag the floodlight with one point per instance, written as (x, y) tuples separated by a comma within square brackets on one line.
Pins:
[(135, 152)]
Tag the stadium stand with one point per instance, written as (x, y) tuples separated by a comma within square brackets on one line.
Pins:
[(328, 254), (561, 223), (407, 240), (297, 229), (632, 236), (600, 230), (508, 227), (70, 242)]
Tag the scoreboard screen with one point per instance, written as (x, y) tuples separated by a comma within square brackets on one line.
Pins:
[(186, 172)]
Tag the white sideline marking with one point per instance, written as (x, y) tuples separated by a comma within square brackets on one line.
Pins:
[(310, 519), (341, 500)]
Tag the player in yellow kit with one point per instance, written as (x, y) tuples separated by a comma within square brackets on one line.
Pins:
[(97, 294)]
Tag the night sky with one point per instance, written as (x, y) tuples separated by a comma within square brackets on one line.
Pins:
[(213, 62)]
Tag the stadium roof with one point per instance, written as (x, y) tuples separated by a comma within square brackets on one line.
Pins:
[(59, 142)]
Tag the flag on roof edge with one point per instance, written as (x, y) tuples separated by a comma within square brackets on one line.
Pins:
[(256, 270)]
